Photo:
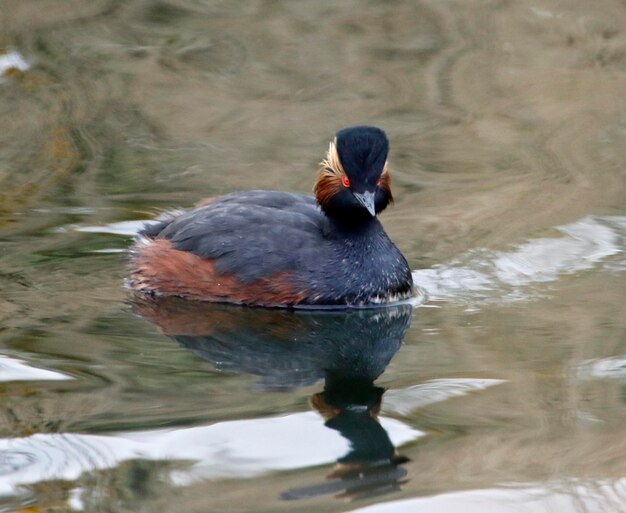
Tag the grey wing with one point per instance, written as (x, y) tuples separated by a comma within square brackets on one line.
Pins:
[(252, 234)]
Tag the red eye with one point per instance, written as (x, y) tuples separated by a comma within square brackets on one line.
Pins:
[(345, 181)]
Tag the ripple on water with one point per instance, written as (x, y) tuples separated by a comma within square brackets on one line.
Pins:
[(484, 275), (590, 497), (404, 401), (225, 449), (12, 369), (10, 62), (612, 368), (121, 228)]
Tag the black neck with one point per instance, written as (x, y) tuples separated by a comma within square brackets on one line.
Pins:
[(355, 225)]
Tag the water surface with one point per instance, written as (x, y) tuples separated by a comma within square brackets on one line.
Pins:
[(501, 389)]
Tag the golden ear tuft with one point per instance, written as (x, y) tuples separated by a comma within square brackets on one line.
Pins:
[(385, 182), (331, 164), (329, 177)]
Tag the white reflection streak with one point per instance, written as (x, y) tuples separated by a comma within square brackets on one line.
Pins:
[(131, 228), (486, 276), (407, 400), (11, 60), (225, 449), (612, 368), (12, 369), (590, 497)]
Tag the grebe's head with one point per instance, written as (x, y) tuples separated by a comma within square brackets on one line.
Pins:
[(353, 182)]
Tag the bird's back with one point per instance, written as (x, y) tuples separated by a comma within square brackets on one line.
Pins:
[(252, 234)]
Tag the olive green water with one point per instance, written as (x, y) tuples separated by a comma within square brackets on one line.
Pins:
[(507, 122)]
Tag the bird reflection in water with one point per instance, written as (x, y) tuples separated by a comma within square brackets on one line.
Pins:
[(287, 349)]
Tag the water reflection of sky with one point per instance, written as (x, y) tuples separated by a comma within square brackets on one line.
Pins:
[(514, 275), (589, 497), (12, 369), (242, 448)]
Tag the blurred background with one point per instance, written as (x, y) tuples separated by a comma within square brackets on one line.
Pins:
[(507, 124)]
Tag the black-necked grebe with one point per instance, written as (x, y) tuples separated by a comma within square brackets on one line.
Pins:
[(271, 248)]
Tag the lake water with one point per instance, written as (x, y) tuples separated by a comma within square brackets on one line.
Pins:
[(501, 388)]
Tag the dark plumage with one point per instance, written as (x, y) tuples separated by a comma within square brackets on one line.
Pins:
[(272, 248)]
